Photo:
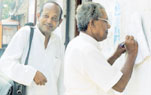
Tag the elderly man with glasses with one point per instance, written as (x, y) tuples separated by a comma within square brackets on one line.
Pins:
[(87, 72)]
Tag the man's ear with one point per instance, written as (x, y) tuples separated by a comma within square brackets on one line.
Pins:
[(91, 23), (38, 15), (60, 21)]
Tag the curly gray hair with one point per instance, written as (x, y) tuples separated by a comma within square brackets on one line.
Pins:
[(86, 12)]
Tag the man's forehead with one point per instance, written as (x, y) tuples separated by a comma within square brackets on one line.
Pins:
[(51, 6), (104, 14)]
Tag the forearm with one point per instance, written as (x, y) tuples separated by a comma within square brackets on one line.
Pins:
[(19, 73), (113, 58), (127, 71)]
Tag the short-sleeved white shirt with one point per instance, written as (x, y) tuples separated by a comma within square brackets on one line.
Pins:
[(86, 70)]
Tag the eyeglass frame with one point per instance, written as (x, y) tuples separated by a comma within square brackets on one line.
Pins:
[(105, 20)]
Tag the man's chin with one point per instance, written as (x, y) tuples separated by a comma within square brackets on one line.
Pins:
[(49, 30), (104, 38)]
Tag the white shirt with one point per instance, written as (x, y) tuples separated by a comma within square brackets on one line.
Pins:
[(86, 70), (48, 61)]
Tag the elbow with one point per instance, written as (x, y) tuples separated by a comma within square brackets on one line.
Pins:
[(119, 89), (121, 85)]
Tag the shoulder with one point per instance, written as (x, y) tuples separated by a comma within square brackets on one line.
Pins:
[(81, 47), (23, 31), (22, 34), (25, 28), (79, 43)]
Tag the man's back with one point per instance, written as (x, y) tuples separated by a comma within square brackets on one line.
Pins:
[(80, 65)]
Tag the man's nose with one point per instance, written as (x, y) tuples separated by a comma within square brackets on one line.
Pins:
[(108, 26), (49, 20)]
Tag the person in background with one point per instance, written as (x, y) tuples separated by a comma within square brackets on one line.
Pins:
[(44, 73)]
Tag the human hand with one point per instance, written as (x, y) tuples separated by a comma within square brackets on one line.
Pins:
[(120, 49), (131, 45), (40, 79)]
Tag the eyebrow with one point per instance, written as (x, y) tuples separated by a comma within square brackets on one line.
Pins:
[(45, 12), (55, 16)]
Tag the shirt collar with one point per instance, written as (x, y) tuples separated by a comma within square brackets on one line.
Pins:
[(89, 39), (39, 32), (41, 36)]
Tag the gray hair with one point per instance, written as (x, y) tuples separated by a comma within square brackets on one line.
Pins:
[(86, 12)]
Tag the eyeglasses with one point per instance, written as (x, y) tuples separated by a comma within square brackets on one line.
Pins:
[(105, 20)]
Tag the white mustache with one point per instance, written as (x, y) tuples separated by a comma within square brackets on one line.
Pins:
[(49, 25)]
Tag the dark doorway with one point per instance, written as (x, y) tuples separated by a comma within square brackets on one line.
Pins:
[(78, 2)]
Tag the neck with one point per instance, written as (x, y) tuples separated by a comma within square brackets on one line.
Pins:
[(44, 33), (47, 37), (90, 33), (46, 41)]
